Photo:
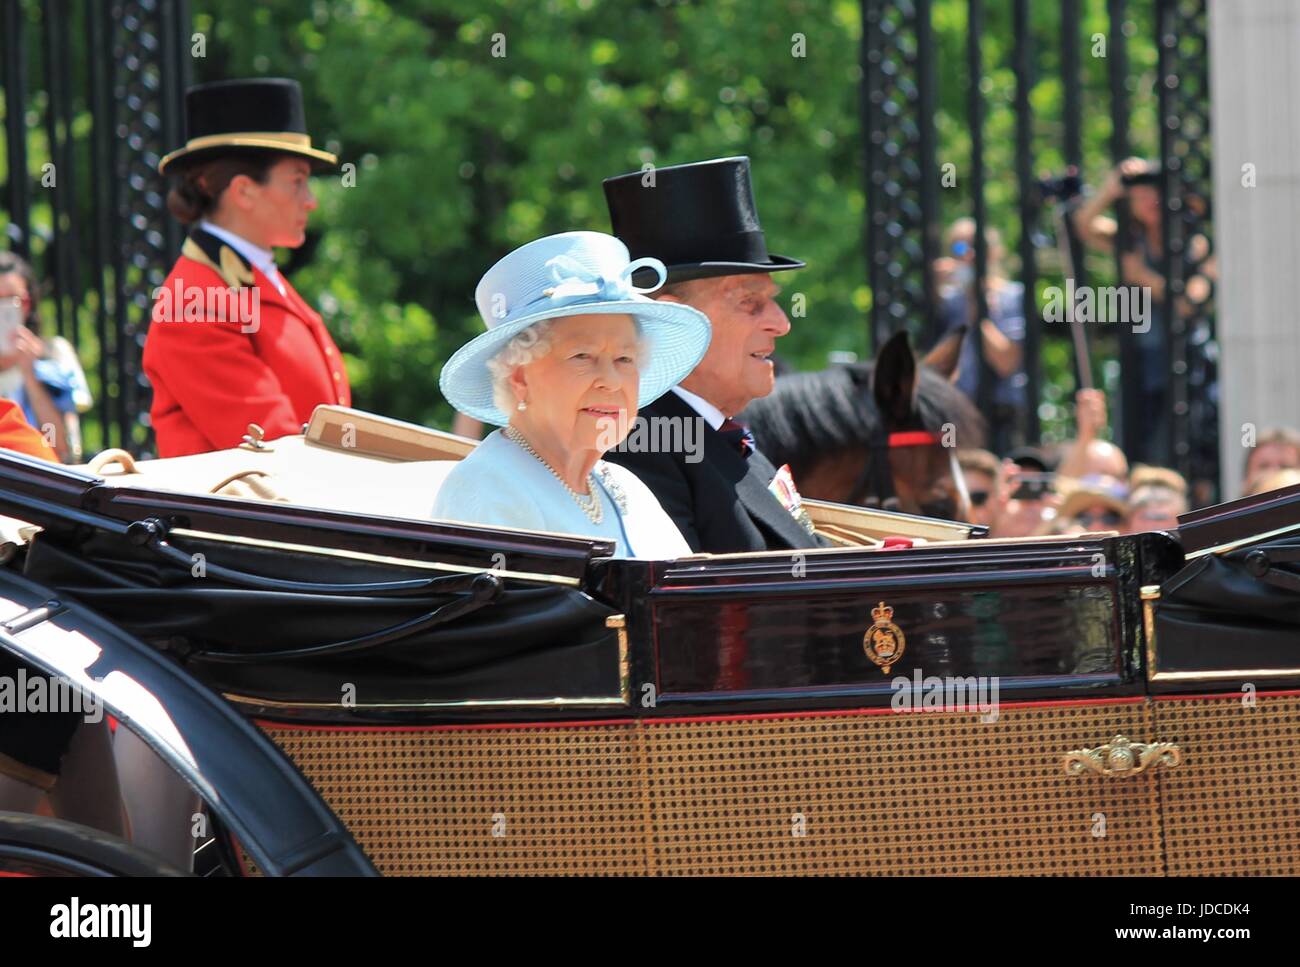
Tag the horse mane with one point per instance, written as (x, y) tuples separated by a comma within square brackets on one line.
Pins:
[(808, 415)]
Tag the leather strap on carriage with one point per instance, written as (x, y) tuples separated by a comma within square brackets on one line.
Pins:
[(250, 484), (107, 458)]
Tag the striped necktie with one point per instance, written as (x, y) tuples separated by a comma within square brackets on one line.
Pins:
[(738, 436)]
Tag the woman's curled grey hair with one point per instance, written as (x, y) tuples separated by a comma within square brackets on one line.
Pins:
[(525, 347)]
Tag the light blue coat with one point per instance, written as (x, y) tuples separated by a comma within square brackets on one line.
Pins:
[(503, 485)]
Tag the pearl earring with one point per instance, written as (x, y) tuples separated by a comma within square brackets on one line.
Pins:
[(522, 406)]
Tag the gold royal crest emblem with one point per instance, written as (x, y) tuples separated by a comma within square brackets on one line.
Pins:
[(884, 641)]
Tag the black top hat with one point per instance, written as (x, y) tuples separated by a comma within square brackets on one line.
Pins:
[(262, 112), (698, 219)]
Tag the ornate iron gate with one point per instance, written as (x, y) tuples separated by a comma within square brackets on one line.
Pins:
[(104, 80), (903, 179), (95, 223)]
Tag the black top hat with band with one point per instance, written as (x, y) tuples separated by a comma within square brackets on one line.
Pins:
[(698, 219), (259, 113)]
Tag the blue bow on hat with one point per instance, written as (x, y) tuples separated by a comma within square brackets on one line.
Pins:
[(574, 281)]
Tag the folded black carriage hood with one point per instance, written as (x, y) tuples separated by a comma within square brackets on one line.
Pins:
[(296, 600), (1241, 521), (67, 502)]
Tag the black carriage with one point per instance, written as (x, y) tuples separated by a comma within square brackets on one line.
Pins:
[(351, 688)]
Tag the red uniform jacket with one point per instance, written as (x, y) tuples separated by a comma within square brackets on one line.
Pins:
[(226, 349)]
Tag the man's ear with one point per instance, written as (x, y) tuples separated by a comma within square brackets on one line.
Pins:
[(946, 354), (893, 382)]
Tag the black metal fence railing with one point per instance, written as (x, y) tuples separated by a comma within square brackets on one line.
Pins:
[(92, 97), (902, 170), (87, 206), (905, 203), (1184, 86)]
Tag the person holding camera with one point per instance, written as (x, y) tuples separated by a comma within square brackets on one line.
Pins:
[(1025, 496), (43, 377), (1001, 333), (1134, 186), (1137, 183)]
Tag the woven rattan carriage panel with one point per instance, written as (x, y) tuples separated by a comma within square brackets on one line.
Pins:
[(898, 794), (483, 801), (914, 793), (1233, 806)]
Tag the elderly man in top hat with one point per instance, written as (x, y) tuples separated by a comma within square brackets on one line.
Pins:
[(700, 220)]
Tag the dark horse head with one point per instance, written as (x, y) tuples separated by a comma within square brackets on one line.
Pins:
[(880, 434)]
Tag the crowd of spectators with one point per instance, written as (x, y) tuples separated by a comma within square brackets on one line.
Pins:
[(1086, 484)]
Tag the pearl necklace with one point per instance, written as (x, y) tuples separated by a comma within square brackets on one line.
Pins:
[(590, 504)]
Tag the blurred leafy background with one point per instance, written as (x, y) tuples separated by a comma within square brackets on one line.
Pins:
[(461, 155)]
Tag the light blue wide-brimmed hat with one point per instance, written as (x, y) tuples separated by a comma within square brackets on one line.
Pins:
[(573, 274)]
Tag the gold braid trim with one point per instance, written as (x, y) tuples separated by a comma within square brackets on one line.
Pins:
[(233, 270)]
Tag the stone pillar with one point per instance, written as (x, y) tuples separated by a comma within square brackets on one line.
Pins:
[(1255, 105)]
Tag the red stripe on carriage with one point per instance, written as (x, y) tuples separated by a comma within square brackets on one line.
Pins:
[(1236, 696)]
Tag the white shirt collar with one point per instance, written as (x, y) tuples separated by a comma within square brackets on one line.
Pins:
[(711, 413), (262, 259)]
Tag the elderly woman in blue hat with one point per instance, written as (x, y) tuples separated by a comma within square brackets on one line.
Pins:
[(572, 350)]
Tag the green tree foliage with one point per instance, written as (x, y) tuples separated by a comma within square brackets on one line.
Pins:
[(476, 125), (462, 155)]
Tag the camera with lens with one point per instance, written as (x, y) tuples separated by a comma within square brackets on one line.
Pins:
[(1064, 187)]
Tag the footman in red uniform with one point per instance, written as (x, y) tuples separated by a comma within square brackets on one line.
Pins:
[(231, 343)]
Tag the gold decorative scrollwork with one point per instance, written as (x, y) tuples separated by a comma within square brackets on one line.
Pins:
[(1120, 757)]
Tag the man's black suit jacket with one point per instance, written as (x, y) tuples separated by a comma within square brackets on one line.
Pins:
[(720, 504)]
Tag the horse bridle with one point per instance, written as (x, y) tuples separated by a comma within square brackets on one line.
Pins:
[(877, 478)]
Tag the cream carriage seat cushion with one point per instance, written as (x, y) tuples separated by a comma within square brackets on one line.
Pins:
[(348, 460), (356, 461)]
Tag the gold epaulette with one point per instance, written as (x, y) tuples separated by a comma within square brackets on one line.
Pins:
[(234, 271)]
